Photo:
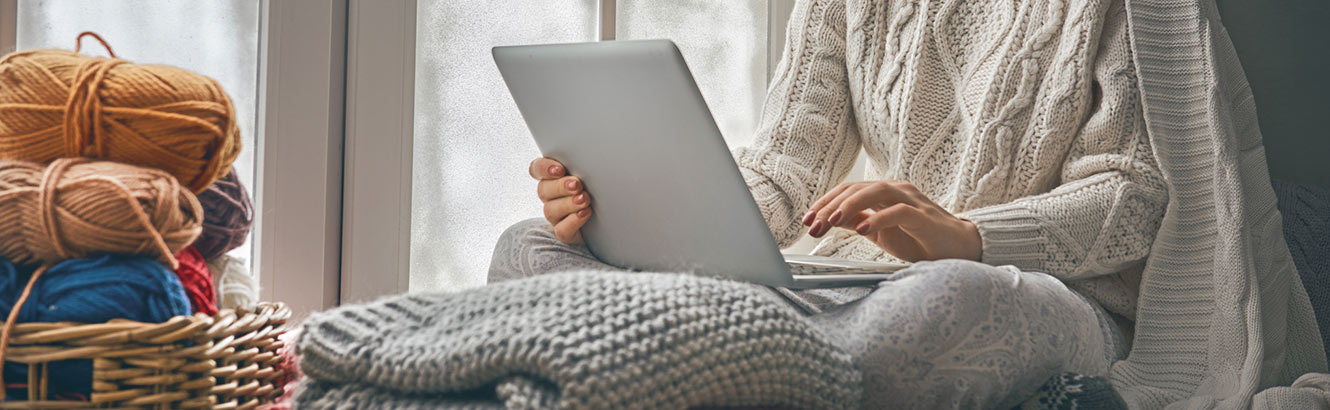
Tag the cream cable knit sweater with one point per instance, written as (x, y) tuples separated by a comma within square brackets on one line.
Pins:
[(1021, 116), (1221, 317)]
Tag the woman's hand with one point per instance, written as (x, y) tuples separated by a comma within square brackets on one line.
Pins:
[(567, 205), (898, 218)]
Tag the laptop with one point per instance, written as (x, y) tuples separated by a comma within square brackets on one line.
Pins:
[(627, 118)]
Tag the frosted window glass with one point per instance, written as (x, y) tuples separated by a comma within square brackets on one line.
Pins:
[(219, 39), (470, 178), (725, 45)]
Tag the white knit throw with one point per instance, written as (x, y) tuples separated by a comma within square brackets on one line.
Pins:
[(1221, 314)]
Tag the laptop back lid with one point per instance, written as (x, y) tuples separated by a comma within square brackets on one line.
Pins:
[(627, 118)]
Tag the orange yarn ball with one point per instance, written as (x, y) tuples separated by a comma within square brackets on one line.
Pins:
[(57, 104)]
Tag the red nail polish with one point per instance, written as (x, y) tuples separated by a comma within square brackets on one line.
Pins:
[(584, 212), (572, 185), (556, 170), (808, 218), (862, 229), (815, 231), (579, 199), (835, 217)]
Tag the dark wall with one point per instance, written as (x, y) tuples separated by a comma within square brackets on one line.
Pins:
[(1285, 50)]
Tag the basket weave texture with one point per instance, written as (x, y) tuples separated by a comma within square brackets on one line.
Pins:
[(225, 361)]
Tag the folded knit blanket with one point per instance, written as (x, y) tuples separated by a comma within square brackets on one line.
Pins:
[(575, 340)]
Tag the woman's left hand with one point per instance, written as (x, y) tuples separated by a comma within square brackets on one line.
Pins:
[(898, 218)]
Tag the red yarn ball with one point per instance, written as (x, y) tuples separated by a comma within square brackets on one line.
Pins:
[(194, 275)]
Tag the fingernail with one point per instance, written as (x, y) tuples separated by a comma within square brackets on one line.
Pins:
[(862, 229), (584, 212), (808, 218), (815, 231), (556, 170), (572, 185), (835, 217), (579, 199)]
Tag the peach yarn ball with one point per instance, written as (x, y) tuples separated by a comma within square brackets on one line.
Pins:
[(77, 207)]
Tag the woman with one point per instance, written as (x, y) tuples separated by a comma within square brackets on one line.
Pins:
[(1008, 157)]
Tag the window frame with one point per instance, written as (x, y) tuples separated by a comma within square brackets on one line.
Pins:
[(302, 77)]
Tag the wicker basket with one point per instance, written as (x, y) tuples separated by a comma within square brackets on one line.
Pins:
[(227, 361)]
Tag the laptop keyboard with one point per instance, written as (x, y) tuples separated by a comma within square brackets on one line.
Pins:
[(811, 269)]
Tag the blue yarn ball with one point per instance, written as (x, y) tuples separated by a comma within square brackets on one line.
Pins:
[(90, 290)]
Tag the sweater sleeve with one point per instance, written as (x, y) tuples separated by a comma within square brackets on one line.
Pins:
[(807, 139), (1104, 215)]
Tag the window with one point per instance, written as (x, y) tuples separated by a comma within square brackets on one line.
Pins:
[(381, 147), (471, 151), (471, 146)]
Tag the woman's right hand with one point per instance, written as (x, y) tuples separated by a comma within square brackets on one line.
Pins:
[(567, 205)]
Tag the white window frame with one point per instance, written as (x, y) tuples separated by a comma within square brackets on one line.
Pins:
[(302, 77), (336, 127)]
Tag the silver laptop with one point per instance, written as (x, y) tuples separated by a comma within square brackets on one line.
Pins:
[(627, 118)]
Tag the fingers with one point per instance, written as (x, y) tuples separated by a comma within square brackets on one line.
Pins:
[(822, 202), (545, 168), (901, 215), (551, 189), (567, 206), (558, 209), (819, 216), (842, 207), (568, 230)]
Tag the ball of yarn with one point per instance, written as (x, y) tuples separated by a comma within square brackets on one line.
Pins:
[(227, 216), (57, 103), (195, 276), (89, 290), (77, 207), (96, 289)]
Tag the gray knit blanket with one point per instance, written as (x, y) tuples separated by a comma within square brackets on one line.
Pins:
[(603, 341)]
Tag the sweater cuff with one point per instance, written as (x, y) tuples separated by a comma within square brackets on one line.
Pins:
[(1011, 236), (775, 208)]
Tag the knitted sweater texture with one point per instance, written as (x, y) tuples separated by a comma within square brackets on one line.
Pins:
[(578, 341), (1020, 116)]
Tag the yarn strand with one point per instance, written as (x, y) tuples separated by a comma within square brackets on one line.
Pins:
[(9, 324), (78, 42)]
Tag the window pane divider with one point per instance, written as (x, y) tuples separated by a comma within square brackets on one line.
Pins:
[(302, 56), (380, 128), (608, 20), (778, 17), (8, 26)]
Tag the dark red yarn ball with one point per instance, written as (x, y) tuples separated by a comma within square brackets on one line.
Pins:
[(197, 279)]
